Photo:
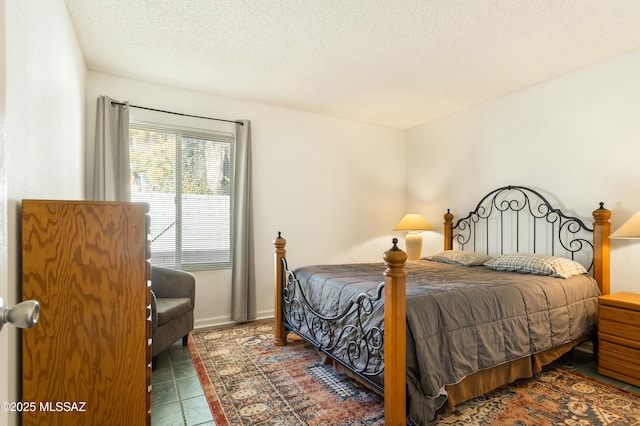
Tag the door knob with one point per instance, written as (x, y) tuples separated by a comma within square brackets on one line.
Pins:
[(23, 315)]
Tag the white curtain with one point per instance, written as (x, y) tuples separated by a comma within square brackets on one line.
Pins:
[(243, 288), (108, 169)]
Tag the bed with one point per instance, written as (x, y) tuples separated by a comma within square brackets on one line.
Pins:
[(515, 288)]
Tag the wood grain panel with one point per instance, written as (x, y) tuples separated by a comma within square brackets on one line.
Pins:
[(86, 264)]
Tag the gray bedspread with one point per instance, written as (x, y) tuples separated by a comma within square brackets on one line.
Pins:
[(463, 319)]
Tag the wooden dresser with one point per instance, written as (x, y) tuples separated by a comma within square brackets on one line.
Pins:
[(88, 360), (619, 337)]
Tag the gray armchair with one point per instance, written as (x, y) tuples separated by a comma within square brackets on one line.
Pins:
[(172, 303)]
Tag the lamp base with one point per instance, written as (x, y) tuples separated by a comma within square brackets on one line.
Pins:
[(413, 242)]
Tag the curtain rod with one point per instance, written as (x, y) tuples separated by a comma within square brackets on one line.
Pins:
[(178, 113)]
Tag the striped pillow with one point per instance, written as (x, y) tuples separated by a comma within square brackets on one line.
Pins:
[(530, 263)]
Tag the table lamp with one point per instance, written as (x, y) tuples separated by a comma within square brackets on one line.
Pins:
[(629, 230), (414, 223)]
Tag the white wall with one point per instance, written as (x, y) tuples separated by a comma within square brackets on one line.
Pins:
[(44, 131), (333, 187), (576, 138)]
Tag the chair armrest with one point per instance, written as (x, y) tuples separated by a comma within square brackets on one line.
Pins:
[(154, 312), (172, 283)]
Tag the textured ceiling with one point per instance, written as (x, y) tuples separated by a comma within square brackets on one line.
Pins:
[(392, 62)]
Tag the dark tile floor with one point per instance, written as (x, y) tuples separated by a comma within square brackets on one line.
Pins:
[(177, 398)]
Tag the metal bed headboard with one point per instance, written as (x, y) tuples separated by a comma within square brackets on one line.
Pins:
[(519, 219)]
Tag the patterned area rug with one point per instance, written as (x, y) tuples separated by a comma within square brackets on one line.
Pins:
[(250, 381)]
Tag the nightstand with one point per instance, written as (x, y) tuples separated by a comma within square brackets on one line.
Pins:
[(619, 337)]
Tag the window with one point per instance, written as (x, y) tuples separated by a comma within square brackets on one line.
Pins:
[(185, 175)]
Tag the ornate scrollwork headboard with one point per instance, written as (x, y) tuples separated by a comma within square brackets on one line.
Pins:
[(519, 219)]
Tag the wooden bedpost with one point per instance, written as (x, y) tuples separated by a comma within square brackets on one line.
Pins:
[(395, 337), (601, 249), (280, 252), (448, 230)]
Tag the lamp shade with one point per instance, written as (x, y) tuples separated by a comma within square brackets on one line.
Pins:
[(630, 229), (412, 222)]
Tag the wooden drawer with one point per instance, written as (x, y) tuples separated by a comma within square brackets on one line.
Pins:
[(618, 340), (619, 336), (623, 354), (619, 362), (621, 315), (618, 375), (612, 367), (619, 322)]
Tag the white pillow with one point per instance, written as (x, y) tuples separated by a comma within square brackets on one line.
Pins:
[(459, 257), (531, 263)]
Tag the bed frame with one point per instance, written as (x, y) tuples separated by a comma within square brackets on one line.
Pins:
[(516, 218)]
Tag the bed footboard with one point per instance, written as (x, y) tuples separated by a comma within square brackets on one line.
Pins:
[(395, 337), (280, 253), (367, 345)]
